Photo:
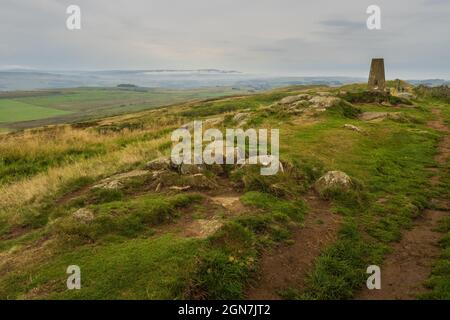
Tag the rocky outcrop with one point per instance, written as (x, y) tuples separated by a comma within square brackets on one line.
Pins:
[(379, 116), (305, 103), (116, 181), (323, 102), (333, 180), (163, 163), (406, 95), (292, 99)]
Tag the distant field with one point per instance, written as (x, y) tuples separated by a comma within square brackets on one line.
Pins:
[(13, 111), (27, 109)]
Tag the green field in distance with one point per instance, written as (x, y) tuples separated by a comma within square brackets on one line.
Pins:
[(13, 111), (28, 109)]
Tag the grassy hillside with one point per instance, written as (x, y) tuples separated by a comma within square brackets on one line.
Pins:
[(83, 194)]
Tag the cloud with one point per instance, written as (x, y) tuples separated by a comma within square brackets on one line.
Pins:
[(347, 24), (273, 36)]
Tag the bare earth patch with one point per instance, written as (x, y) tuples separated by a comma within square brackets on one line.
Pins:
[(286, 266), (408, 266), (202, 228), (232, 203)]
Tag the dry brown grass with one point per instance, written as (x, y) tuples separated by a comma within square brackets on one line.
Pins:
[(32, 190)]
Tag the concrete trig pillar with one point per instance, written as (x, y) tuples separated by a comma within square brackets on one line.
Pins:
[(377, 81)]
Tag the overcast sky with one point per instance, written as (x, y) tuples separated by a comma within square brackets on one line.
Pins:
[(279, 37)]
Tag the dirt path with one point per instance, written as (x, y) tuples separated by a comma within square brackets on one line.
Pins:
[(409, 265), (287, 265)]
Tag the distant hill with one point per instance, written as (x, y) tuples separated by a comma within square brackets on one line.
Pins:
[(175, 79), (430, 82)]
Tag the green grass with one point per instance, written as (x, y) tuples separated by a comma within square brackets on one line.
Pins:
[(158, 268), (220, 107), (278, 208), (126, 218), (121, 256), (14, 111), (383, 161), (439, 281)]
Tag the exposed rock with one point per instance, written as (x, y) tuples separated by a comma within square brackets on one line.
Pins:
[(352, 127), (163, 163), (212, 121), (395, 116), (177, 188), (190, 169), (129, 174), (371, 116), (202, 228), (238, 117), (332, 180), (83, 215), (115, 182), (302, 104), (307, 104), (227, 201), (264, 161), (188, 126), (200, 181), (292, 99), (323, 102), (405, 95)]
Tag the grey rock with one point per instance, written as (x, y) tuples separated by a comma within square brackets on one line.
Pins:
[(352, 127), (332, 180), (83, 215)]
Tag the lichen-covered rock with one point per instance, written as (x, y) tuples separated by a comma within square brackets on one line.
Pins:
[(115, 181), (264, 161), (323, 102), (333, 180), (83, 215), (109, 184), (213, 121), (163, 163), (405, 95), (190, 169), (238, 117), (352, 127), (292, 99), (379, 116)]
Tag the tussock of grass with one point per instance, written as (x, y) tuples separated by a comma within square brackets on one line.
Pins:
[(224, 267), (123, 218), (342, 267)]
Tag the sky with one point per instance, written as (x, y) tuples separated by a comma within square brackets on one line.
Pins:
[(276, 37)]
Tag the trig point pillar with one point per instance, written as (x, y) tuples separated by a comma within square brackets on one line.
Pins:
[(377, 81)]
